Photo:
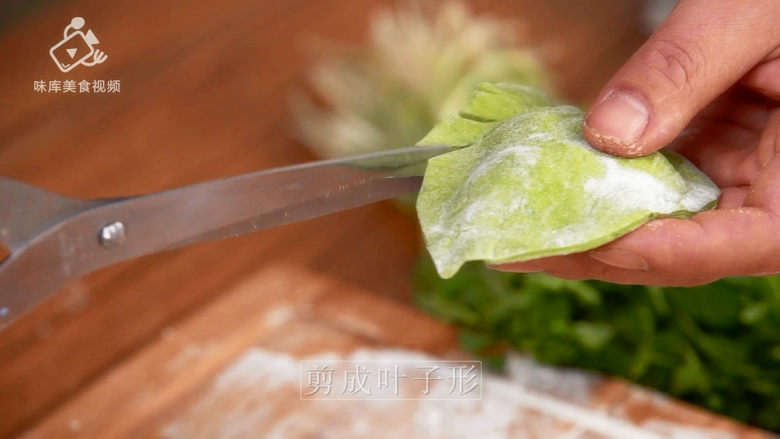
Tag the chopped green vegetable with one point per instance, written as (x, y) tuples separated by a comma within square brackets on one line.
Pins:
[(527, 185), (717, 345)]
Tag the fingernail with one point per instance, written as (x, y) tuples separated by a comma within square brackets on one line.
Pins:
[(517, 267), (620, 116), (621, 259)]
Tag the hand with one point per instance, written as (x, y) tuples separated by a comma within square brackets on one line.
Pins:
[(709, 81)]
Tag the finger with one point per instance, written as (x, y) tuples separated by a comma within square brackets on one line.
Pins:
[(769, 146), (724, 242), (715, 244), (581, 266), (722, 139), (733, 197), (519, 267), (623, 276), (739, 107), (765, 191), (765, 79), (725, 152), (702, 50), (628, 277), (573, 266)]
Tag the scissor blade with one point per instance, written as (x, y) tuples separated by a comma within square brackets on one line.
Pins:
[(238, 205), (277, 197), (356, 191), (71, 247)]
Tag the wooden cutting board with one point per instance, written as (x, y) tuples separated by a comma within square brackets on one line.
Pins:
[(233, 370)]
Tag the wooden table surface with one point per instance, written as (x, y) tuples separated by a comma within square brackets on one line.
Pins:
[(237, 369), (204, 88)]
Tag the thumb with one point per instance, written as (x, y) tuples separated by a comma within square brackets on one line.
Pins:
[(702, 49)]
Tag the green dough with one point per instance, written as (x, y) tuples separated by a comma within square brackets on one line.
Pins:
[(456, 131), (528, 185), (489, 104)]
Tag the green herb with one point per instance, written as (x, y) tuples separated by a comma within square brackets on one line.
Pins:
[(717, 346)]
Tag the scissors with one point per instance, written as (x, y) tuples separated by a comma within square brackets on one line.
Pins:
[(55, 239)]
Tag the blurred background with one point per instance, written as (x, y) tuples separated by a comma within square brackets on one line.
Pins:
[(215, 89)]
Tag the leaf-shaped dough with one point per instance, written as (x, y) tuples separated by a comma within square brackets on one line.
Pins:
[(496, 102), (531, 187), (456, 131), (489, 104)]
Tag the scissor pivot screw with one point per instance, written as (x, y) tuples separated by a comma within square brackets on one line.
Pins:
[(112, 235)]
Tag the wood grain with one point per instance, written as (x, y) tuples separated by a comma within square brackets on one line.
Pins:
[(258, 310), (232, 370), (204, 87)]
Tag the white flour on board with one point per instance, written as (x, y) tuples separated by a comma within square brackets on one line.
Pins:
[(259, 396)]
